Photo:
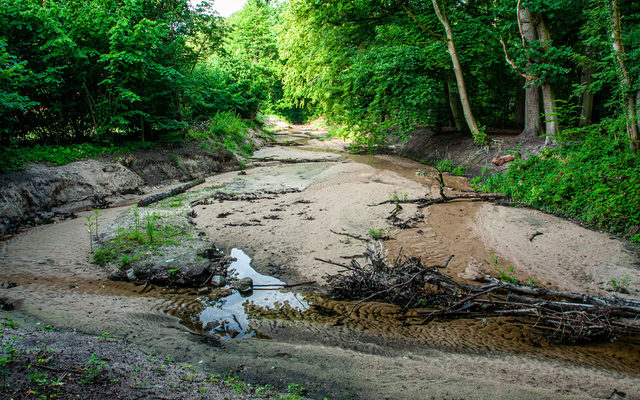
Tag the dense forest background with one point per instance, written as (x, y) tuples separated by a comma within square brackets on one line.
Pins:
[(80, 78)]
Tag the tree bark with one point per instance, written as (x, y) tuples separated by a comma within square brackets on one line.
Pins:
[(623, 76), (587, 96), (548, 96), (532, 124), (457, 69), (454, 106), (551, 118)]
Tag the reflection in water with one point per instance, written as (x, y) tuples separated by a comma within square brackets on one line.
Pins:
[(228, 316)]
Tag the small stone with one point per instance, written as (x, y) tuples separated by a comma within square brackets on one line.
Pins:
[(8, 285), (204, 290), (218, 281), (244, 285), (131, 275)]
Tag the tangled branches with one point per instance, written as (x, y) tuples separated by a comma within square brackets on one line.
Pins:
[(565, 316)]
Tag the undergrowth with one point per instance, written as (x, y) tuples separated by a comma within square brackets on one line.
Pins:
[(15, 158), (595, 180), (228, 130), (132, 243)]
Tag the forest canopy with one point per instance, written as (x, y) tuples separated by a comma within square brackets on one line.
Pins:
[(102, 69)]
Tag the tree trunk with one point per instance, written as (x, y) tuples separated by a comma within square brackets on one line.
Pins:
[(587, 96), (623, 76), (551, 118), (532, 124), (454, 106), (548, 96), (521, 103), (457, 69)]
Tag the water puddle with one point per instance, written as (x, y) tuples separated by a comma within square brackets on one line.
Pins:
[(229, 316)]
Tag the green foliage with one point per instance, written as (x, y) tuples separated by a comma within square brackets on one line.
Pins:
[(294, 392), (16, 157), (595, 180), (228, 130), (510, 276), (173, 273), (445, 165), (90, 229), (620, 286), (129, 244), (396, 198), (8, 352), (150, 227), (379, 234), (98, 68), (93, 368)]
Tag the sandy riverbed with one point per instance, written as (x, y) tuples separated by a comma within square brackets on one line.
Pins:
[(371, 356)]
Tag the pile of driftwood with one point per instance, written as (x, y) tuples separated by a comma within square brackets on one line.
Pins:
[(565, 316)]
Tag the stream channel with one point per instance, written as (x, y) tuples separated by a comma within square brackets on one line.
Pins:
[(279, 337)]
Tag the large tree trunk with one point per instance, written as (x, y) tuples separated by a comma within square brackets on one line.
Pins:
[(456, 110), (587, 97), (532, 124), (623, 76), (551, 118), (457, 69), (548, 97)]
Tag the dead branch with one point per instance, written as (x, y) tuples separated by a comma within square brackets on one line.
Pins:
[(357, 237), (284, 285), (173, 192)]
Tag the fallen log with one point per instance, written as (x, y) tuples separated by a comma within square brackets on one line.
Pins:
[(173, 192), (503, 160)]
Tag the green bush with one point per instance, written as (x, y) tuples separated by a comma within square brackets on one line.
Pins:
[(227, 130), (445, 165), (596, 181)]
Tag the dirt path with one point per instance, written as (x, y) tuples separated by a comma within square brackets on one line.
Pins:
[(372, 356)]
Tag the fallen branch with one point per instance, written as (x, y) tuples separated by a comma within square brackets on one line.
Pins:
[(357, 237), (472, 196), (284, 285), (423, 202), (173, 192)]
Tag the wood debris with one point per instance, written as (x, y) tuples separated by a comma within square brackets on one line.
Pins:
[(564, 316)]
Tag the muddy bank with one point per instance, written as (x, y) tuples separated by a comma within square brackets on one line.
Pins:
[(42, 192), (431, 146)]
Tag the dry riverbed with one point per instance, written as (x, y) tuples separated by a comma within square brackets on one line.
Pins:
[(295, 205)]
